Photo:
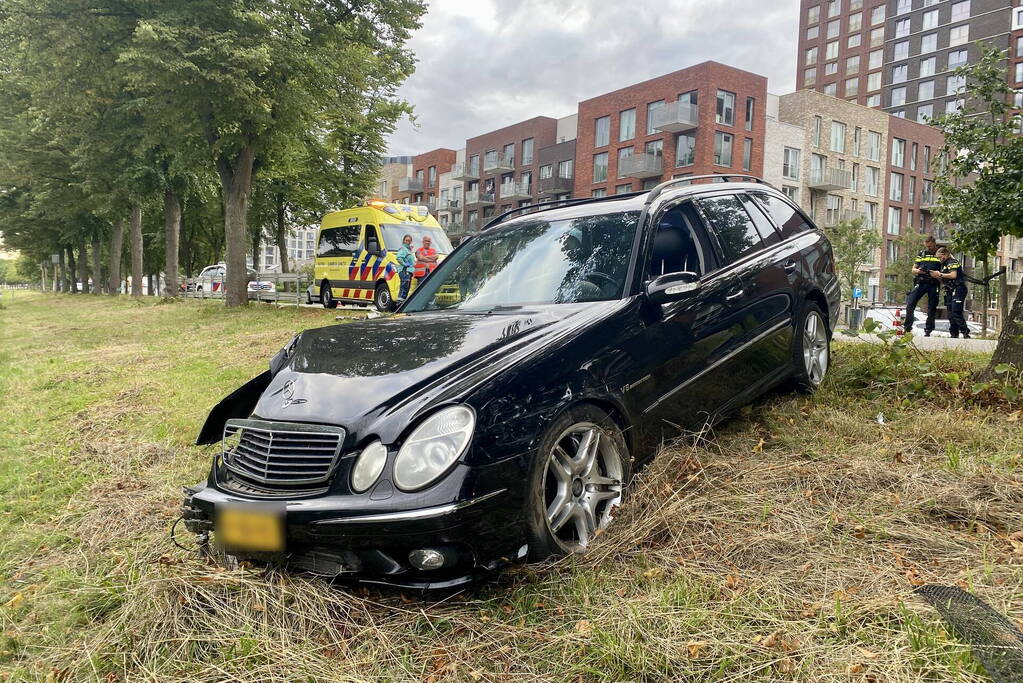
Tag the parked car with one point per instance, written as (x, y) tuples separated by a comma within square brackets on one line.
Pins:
[(942, 327), (501, 413), (210, 281)]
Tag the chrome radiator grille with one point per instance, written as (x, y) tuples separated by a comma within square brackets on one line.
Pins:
[(281, 455)]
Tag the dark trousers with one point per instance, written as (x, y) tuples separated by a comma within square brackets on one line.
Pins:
[(955, 302), (405, 277), (915, 294)]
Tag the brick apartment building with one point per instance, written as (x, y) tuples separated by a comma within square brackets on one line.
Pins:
[(423, 185), (708, 118), (500, 169)]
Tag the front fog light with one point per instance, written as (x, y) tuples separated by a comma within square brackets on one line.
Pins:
[(433, 447), (368, 466), (426, 558)]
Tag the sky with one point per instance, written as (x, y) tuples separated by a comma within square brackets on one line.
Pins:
[(485, 64)]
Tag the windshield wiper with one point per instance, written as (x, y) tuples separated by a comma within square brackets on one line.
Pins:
[(504, 309)]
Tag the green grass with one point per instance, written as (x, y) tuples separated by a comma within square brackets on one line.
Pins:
[(783, 547)]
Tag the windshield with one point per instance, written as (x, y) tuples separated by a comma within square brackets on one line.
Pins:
[(394, 233), (568, 261)]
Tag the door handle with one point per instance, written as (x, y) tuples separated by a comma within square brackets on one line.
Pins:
[(789, 266), (733, 297)]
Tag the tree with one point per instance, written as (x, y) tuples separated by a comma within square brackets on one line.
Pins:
[(854, 245), (980, 182), (250, 74)]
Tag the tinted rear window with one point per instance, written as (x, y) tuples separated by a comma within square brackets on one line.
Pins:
[(735, 230), (785, 216)]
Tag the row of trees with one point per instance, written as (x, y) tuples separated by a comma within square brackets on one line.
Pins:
[(189, 131)]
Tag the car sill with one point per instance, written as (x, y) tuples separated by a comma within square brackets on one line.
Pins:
[(409, 515)]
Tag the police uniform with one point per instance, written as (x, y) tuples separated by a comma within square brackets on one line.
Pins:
[(923, 284), (955, 297)]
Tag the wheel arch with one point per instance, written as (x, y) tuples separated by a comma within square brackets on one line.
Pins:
[(817, 297)]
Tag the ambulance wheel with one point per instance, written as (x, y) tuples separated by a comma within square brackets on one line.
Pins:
[(382, 298), (327, 296)]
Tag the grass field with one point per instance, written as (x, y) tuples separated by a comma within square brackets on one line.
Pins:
[(784, 547)]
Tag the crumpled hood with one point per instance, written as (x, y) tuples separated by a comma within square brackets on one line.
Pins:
[(356, 374)]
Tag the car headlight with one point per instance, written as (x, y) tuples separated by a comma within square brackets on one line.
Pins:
[(368, 466), (433, 447)]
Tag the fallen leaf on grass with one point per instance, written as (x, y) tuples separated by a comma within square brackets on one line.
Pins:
[(733, 581), (653, 573), (759, 448), (16, 600), (584, 627), (856, 668), (694, 647)]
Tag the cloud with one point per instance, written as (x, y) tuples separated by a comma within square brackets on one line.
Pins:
[(484, 64)]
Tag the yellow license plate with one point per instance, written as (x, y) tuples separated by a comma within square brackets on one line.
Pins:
[(257, 529)]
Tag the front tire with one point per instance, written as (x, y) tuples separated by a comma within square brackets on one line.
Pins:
[(327, 296), (382, 298), (576, 479), (811, 349)]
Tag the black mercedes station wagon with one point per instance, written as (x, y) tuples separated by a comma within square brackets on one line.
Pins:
[(501, 412)]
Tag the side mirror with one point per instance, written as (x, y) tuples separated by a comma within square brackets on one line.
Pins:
[(672, 287)]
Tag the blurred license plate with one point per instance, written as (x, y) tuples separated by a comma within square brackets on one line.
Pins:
[(258, 528)]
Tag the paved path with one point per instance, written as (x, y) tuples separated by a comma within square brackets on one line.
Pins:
[(931, 343)]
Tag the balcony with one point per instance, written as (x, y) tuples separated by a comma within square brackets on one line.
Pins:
[(557, 185), (500, 164), (833, 217), (828, 179), (449, 205), (431, 204), (410, 185), (677, 117), (928, 201), (515, 191), (465, 173), (479, 198), (1014, 278), (641, 166)]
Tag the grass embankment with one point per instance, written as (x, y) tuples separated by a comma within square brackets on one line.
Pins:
[(786, 547)]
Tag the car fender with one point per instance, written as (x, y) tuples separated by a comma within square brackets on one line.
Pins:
[(238, 404)]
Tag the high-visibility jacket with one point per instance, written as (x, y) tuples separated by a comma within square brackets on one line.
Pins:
[(422, 267), (926, 261)]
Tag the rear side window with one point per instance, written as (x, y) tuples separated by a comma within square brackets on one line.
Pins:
[(767, 232), (735, 230), (785, 216), (340, 241)]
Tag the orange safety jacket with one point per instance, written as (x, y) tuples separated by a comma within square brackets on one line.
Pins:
[(422, 267)]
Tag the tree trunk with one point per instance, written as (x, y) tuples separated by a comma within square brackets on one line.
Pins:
[(136, 250), (72, 271), (987, 300), (236, 180), (116, 254), (280, 233), (42, 270), (61, 272), (83, 265), (171, 227), (1010, 341), (1003, 296), (97, 265)]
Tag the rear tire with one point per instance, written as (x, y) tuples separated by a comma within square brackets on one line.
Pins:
[(382, 298), (811, 349), (327, 296), (575, 482)]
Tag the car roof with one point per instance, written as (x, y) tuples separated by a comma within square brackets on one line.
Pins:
[(633, 201)]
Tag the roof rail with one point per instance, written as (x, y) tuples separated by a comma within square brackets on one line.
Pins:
[(558, 204), (686, 180)]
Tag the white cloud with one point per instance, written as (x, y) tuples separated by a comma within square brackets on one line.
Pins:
[(484, 64)]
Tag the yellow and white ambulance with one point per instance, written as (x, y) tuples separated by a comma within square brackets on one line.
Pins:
[(356, 251)]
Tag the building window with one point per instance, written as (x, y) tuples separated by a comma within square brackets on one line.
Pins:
[(831, 50), (747, 154), (954, 84), (956, 59), (959, 35), (852, 87), (834, 7), (898, 97), (474, 164), (600, 167), (894, 223), (791, 192), (930, 20), (914, 148), (855, 5), (623, 188), (527, 151), (1017, 18), (790, 163), (960, 10), (834, 28), (509, 153), (1017, 99), (654, 147), (685, 149), (877, 15), (898, 153), (627, 125), (871, 212), (954, 106), (546, 171), (623, 154), (902, 28), (855, 179), (857, 141), (927, 159), (831, 68), (876, 59), (433, 176), (895, 187), (813, 14), (599, 192), (726, 108), (750, 110), (877, 37), (924, 113), (901, 50), (813, 33), (650, 109), (817, 125), (1019, 72), (872, 182), (602, 131), (831, 89), (874, 81), (900, 73), (566, 168), (722, 149), (927, 66), (810, 76), (855, 22), (903, 6), (852, 65), (854, 40), (873, 146), (929, 43), (838, 137), (1019, 46)]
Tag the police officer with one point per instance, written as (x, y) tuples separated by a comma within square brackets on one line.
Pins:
[(924, 284), (954, 279)]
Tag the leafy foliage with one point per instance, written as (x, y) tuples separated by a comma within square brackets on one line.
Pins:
[(854, 245)]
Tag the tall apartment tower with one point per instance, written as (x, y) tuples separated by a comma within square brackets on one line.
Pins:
[(898, 55)]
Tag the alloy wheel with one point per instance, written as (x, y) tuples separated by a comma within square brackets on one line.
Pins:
[(815, 347), (582, 484)]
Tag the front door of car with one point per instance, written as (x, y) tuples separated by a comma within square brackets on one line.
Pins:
[(680, 343)]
